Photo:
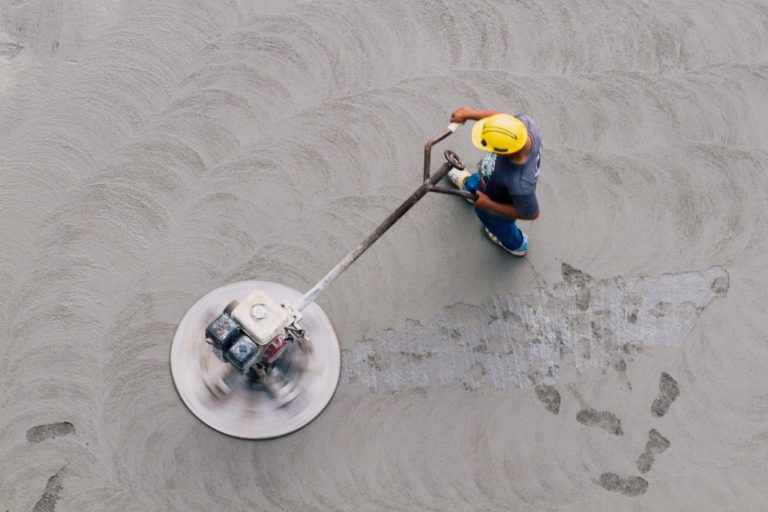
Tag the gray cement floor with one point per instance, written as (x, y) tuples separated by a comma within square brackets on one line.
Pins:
[(151, 151)]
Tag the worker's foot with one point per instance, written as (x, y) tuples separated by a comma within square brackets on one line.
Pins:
[(458, 177), (520, 251)]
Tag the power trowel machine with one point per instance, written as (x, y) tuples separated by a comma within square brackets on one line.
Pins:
[(256, 359)]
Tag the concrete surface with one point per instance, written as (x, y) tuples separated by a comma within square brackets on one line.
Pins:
[(151, 151)]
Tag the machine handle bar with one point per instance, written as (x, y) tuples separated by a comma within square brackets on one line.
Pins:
[(429, 184)]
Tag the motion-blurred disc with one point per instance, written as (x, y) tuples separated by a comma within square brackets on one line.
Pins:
[(237, 405)]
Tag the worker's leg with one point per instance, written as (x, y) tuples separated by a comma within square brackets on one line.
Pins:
[(463, 180), (507, 232)]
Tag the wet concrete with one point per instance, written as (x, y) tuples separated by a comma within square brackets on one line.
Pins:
[(151, 151)]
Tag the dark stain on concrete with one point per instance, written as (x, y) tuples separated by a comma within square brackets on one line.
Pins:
[(52, 430), (583, 298), (374, 361), (549, 396), (656, 444), (631, 486), (721, 284), (620, 365), (10, 49), (581, 281), (475, 376), (477, 371), (510, 316), (668, 392), (47, 502), (661, 309), (602, 419), (575, 276), (415, 356)]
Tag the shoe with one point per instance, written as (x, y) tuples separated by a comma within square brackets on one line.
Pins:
[(520, 251), (458, 177)]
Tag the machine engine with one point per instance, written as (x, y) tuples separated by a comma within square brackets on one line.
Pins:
[(254, 333)]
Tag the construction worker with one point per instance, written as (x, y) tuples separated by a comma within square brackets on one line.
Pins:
[(505, 180)]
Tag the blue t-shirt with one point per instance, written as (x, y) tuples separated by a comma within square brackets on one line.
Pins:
[(510, 183)]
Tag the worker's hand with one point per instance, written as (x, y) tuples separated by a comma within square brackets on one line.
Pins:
[(460, 115), (472, 183), (483, 201)]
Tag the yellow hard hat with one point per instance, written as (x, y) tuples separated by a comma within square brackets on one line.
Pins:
[(501, 133)]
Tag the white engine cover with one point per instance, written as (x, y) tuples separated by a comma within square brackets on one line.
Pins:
[(261, 317)]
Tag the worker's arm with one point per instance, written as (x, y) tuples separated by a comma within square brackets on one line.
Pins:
[(461, 114), (508, 210)]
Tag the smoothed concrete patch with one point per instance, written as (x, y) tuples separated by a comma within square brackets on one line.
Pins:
[(515, 341)]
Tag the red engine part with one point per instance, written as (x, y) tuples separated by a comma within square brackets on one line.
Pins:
[(274, 349)]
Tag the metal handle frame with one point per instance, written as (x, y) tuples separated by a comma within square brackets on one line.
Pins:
[(428, 185)]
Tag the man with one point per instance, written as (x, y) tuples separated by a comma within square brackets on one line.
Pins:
[(505, 181)]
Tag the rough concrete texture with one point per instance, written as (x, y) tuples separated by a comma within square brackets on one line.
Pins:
[(151, 151)]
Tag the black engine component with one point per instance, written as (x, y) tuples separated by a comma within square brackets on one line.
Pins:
[(222, 332), (243, 353)]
